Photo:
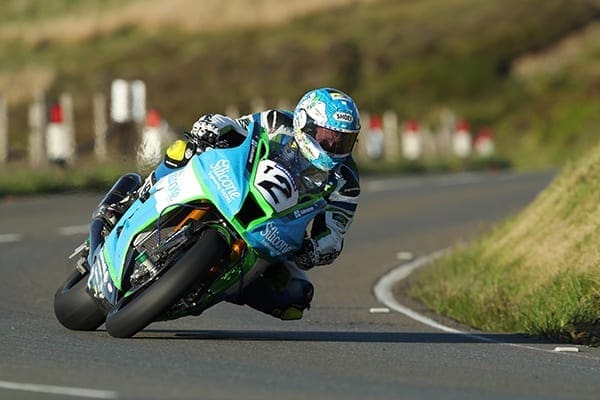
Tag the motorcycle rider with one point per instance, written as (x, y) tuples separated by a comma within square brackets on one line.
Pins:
[(324, 126)]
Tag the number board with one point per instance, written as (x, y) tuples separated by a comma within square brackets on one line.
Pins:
[(276, 185)]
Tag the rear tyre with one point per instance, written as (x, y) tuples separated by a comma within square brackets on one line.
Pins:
[(134, 313), (74, 307)]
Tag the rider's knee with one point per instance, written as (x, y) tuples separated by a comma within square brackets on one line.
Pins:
[(301, 292), (287, 302)]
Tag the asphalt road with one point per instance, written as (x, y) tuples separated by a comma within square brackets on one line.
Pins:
[(340, 350)]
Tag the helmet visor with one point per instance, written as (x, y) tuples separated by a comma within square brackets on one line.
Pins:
[(335, 142)]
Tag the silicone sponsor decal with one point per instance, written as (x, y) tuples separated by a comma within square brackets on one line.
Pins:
[(220, 174), (273, 238), (176, 187)]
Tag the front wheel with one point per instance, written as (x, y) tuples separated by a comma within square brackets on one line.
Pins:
[(134, 313), (73, 306)]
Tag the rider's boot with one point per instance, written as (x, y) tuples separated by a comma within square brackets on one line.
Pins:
[(279, 294)]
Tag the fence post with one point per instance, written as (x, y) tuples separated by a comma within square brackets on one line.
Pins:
[(3, 130), (390, 134), (37, 126), (100, 127), (66, 103), (360, 149), (375, 139), (444, 136), (412, 141)]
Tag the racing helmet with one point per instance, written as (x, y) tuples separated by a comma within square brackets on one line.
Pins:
[(326, 125)]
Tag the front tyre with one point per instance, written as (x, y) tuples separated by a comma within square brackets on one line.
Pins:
[(74, 307), (134, 313)]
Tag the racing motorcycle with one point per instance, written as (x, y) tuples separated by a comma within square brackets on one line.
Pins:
[(194, 238)]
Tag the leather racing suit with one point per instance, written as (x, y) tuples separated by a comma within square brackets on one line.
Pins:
[(284, 289)]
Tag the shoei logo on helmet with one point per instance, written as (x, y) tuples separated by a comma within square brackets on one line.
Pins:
[(344, 117)]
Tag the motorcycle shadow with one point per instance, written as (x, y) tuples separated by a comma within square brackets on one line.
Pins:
[(341, 336)]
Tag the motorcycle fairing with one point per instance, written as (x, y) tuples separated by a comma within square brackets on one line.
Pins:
[(227, 179)]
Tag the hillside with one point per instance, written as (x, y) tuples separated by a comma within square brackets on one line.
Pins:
[(539, 273), (413, 57)]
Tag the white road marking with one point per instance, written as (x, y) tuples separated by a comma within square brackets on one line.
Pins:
[(74, 230), (376, 310), (59, 390), (404, 255), (571, 349), (10, 237), (63, 231), (384, 292)]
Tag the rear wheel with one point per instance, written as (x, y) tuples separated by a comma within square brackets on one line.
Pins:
[(73, 306), (134, 313)]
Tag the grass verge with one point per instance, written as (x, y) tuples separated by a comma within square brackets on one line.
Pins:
[(537, 273), (434, 165), (24, 180), (54, 179)]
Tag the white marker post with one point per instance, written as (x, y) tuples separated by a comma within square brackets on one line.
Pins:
[(138, 101), (100, 127), (390, 136), (461, 140), (59, 143), (120, 110), (3, 130), (37, 127), (149, 151), (66, 102), (484, 142), (375, 138), (412, 145)]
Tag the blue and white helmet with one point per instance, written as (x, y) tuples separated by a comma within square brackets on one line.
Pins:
[(326, 125)]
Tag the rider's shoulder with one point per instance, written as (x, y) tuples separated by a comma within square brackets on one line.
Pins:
[(349, 169), (346, 174)]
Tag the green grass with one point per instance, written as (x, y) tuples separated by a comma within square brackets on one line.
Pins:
[(412, 57), (434, 165), (21, 180), (537, 273), (25, 180), (28, 11)]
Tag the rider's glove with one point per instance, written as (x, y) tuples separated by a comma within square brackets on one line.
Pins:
[(204, 134), (204, 126), (210, 131), (304, 257)]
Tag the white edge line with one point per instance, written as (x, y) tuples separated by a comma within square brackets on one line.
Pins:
[(74, 230), (10, 237), (384, 292), (60, 390)]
